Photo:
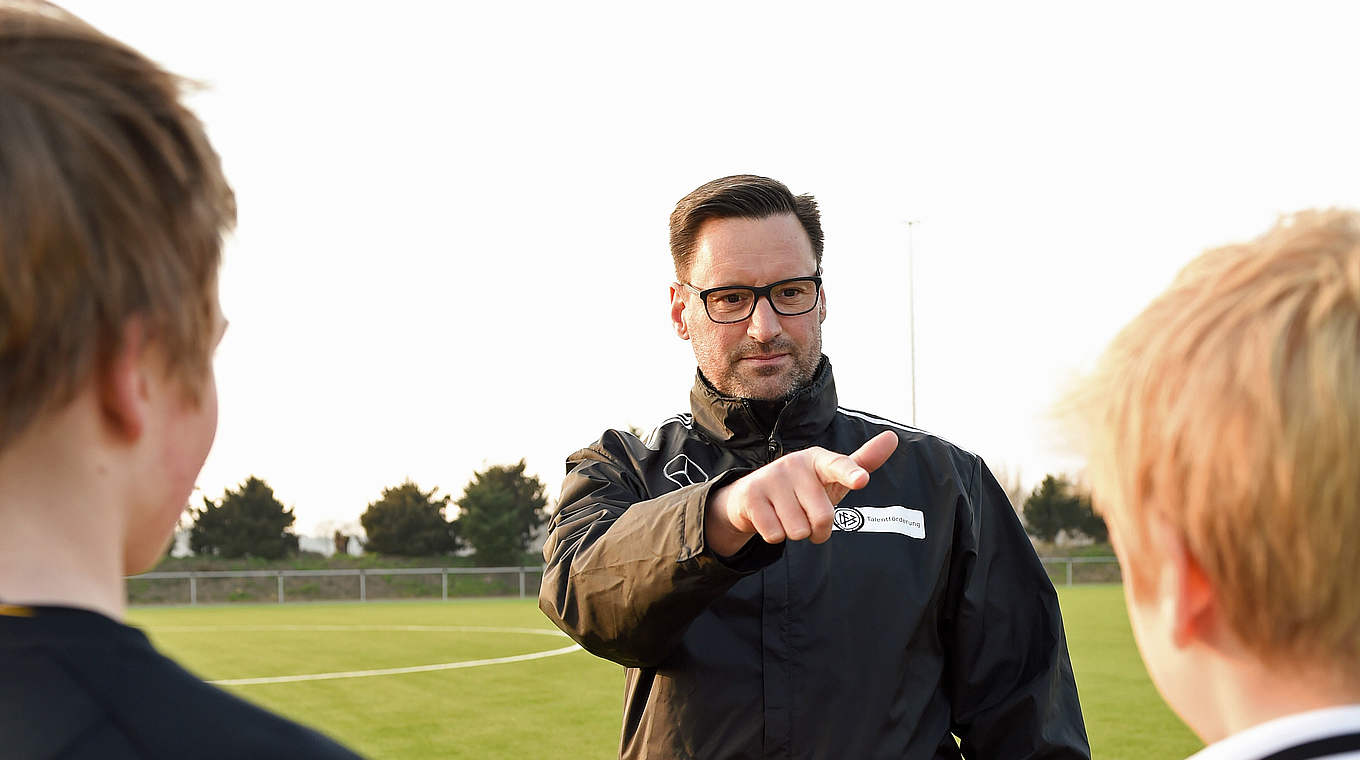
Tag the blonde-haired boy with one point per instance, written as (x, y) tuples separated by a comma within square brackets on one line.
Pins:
[(1223, 432)]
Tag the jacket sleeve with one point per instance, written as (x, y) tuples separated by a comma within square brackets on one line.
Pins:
[(626, 575), (1010, 679)]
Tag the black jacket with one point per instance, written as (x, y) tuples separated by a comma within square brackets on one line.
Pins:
[(76, 685), (926, 613)]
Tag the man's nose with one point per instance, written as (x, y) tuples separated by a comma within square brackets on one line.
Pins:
[(764, 324)]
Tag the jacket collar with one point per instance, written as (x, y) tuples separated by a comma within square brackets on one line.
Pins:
[(732, 422)]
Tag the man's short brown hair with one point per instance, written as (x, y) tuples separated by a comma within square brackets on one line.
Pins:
[(743, 196), (112, 206), (1230, 410)]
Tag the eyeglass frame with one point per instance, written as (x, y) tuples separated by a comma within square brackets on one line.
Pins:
[(757, 292)]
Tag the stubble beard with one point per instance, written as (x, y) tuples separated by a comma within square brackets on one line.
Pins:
[(730, 378)]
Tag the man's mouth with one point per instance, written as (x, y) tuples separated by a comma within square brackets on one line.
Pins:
[(763, 358)]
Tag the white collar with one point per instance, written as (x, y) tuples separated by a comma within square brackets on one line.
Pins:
[(1281, 733)]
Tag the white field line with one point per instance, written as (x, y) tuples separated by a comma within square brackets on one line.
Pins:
[(398, 671), (344, 628), (382, 671)]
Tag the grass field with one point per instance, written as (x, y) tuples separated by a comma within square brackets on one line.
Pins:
[(561, 706)]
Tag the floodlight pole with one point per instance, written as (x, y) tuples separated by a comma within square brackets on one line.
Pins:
[(911, 310)]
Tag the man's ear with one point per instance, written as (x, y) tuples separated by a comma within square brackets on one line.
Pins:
[(678, 315), (121, 382), (821, 307)]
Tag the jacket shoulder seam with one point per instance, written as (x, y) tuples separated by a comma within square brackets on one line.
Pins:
[(867, 417), (652, 439)]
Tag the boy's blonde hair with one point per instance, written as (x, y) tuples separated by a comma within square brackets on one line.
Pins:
[(1231, 409), (112, 207)]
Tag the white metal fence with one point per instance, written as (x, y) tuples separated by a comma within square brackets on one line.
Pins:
[(212, 586), (217, 586), (1072, 571)]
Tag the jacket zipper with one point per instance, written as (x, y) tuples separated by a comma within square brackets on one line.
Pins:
[(772, 446)]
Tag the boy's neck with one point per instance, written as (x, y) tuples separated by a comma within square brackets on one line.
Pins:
[(1248, 693), (61, 532), (58, 573)]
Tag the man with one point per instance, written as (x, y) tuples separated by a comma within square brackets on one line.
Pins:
[(773, 598), (112, 211), (1224, 439)]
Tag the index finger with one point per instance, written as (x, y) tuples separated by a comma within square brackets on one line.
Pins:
[(838, 469)]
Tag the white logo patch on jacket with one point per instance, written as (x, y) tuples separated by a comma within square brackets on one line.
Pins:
[(682, 471), (908, 522)]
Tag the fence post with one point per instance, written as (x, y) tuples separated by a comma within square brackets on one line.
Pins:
[(193, 588), (444, 583), (521, 582), (280, 587), (1069, 571), (363, 585)]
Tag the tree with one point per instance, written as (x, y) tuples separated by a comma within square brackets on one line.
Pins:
[(1091, 523), (1044, 507), (246, 522), (499, 511), (409, 522), (1058, 505)]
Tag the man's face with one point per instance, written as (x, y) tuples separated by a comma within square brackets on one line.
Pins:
[(767, 356)]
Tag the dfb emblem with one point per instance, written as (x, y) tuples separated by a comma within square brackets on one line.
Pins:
[(682, 471), (848, 519)]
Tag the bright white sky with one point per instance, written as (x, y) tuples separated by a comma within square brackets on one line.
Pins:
[(452, 241)]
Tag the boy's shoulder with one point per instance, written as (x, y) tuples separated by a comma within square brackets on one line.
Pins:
[(79, 684)]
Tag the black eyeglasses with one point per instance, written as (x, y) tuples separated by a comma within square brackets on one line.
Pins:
[(735, 303)]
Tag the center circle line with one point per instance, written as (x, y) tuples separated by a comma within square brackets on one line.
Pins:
[(381, 671)]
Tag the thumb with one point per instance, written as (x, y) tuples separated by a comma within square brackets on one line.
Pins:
[(875, 451), (869, 457)]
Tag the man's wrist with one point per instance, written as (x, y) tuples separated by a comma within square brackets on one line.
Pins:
[(721, 537)]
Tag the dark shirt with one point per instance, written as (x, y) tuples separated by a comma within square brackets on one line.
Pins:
[(76, 684)]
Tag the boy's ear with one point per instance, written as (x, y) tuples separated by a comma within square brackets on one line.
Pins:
[(1195, 609), (121, 383)]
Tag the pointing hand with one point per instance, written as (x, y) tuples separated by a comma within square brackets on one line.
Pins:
[(793, 497)]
